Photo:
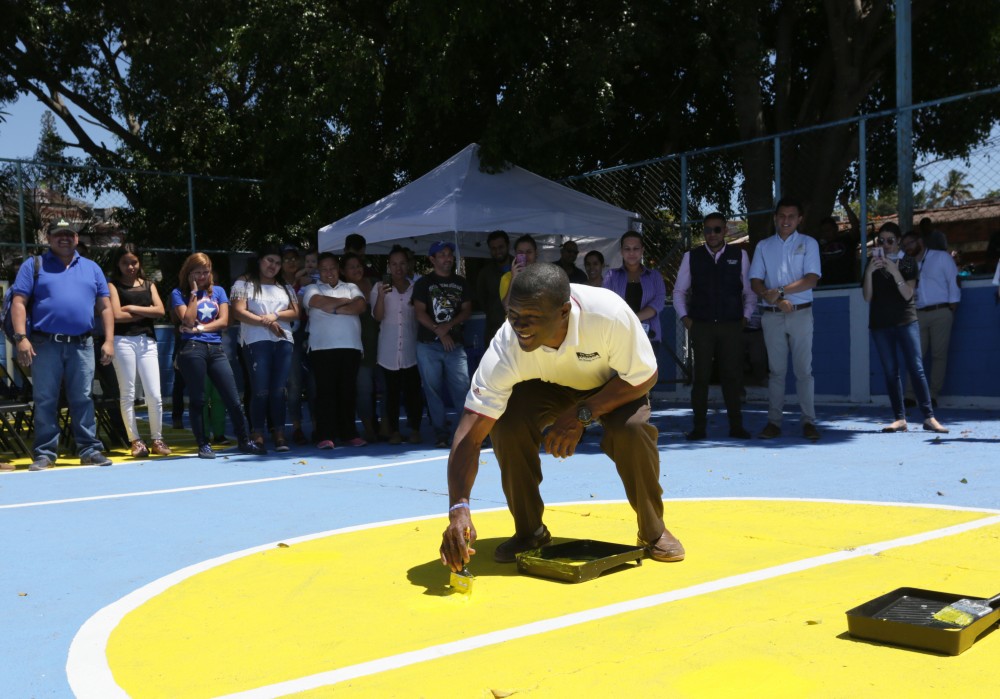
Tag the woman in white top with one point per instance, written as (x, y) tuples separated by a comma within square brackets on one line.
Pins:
[(334, 352), (265, 306), (397, 354)]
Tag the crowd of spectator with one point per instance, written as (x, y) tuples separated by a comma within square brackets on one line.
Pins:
[(333, 334)]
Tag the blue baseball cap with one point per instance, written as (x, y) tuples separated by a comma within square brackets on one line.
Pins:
[(439, 246)]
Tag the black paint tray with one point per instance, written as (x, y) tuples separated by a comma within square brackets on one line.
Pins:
[(577, 561), (905, 617)]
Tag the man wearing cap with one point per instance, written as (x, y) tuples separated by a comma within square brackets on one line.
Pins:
[(442, 301), (568, 355), (60, 348), (567, 260)]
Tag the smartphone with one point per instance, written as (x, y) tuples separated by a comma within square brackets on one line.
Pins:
[(520, 259), (877, 253), (387, 279)]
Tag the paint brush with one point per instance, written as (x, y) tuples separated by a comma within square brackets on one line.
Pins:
[(462, 581), (965, 611)]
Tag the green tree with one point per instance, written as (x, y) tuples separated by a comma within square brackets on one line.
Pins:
[(955, 190)]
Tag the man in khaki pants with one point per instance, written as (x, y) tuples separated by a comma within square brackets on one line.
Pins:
[(937, 300)]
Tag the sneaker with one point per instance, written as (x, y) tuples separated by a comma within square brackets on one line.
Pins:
[(325, 444), (356, 442), (441, 442), (508, 550), (415, 437), (160, 448), (139, 449), (205, 452), (96, 458), (250, 446), (810, 432), (395, 438), (666, 549), (696, 435), (42, 463), (770, 431), (299, 437)]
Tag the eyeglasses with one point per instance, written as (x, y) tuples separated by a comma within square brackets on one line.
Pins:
[(713, 229), (886, 241)]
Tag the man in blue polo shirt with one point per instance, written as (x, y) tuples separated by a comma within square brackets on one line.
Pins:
[(61, 345)]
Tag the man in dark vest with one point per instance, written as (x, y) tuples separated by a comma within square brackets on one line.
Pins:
[(720, 304)]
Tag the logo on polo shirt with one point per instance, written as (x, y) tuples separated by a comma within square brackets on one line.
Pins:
[(588, 356)]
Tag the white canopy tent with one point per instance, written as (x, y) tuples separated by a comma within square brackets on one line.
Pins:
[(457, 201)]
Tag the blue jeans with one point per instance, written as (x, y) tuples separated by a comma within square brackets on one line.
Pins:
[(437, 365), (55, 363), (270, 363), (196, 360), (890, 342)]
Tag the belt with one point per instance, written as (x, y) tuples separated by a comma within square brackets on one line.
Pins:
[(935, 306), (61, 337), (775, 309)]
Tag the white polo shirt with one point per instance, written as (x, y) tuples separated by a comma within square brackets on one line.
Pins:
[(604, 339)]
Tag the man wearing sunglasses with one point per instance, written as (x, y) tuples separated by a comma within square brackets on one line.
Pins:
[(713, 298), (784, 271)]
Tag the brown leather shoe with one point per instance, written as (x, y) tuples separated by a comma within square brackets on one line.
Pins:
[(810, 432), (666, 549), (770, 431), (160, 448), (139, 449), (7, 466)]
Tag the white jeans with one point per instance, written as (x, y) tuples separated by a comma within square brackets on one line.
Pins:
[(134, 352)]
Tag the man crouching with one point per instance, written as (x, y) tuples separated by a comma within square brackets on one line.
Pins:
[(569, 355)]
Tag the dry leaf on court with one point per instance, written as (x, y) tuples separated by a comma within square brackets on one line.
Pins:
[(282, 545)]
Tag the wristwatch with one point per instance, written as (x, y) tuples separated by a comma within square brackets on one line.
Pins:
[(781, 292), (18, 337), (584, 415)]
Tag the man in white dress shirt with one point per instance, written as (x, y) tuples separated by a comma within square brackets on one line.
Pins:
[(937, 300), (784, 271)]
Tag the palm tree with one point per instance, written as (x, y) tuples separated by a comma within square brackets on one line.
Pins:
[(954, 191)]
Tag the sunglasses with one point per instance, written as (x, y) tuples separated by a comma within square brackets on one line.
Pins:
[(886, 241), (713, 229)]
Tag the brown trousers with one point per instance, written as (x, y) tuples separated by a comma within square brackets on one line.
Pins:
[(629, 440)]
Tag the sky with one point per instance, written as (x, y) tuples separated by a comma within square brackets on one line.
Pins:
[(19, 133)]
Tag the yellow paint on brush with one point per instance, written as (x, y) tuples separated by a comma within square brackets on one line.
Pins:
[(317, 606)]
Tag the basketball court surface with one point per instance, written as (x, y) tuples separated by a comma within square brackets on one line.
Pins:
[(315, 573)]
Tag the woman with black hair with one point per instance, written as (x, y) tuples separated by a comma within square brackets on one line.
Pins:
[(136, 304), (266, 305)]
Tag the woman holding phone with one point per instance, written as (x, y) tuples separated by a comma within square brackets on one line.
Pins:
[(202, 311), (889, 285)]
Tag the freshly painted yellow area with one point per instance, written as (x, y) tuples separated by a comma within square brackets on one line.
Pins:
[(181, 443), (341, 600)]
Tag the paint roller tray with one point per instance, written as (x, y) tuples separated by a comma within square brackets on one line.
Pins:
[(905, 617), (577, 561)]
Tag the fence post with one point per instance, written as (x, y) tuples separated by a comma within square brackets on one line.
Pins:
[(863, 190), (20, 211), (685, 230), (191, 211), (777, 169), (904, 117)]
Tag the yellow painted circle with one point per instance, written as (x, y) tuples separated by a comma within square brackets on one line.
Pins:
[(368, 613)]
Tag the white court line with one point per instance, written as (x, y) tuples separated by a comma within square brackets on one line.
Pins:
[(90, 676), (228, 484)]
